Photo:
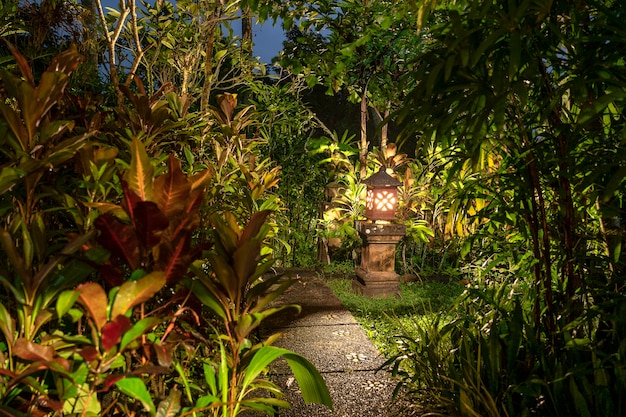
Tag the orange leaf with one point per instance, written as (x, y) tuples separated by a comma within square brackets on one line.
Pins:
[(30, 351), (140, 175), (94, 299), (171, 190)]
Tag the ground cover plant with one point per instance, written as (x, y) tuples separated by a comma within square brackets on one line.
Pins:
[(387, 320)]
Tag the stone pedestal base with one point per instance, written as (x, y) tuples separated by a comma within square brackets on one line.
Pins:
[(376, 277), (376, 283)]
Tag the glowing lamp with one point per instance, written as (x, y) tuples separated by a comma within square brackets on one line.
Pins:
[(382, 196)]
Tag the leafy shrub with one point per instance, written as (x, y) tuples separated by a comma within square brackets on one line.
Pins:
[(491, 359)]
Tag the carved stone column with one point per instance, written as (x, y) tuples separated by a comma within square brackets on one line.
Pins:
[(376, 276)]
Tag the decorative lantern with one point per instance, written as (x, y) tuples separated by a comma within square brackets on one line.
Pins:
[(382, 196)]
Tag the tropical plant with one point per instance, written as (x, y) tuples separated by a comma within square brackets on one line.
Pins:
[(41, 249), (232, 284), (523, 115)]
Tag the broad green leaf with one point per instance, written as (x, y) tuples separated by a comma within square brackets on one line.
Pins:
[(310, 381), (265, 405), (225, 233), (598, 106), (138, 329), (516, 54), (225, 274), (83, 405), (220, 54), (209, 377), (207, 401), (136, 389), (245, 260), (7, 324), (65, 301), (8, 177), (133, 293), (208, 298), (579, 400)]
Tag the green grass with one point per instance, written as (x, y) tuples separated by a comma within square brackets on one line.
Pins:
[(384, 319)]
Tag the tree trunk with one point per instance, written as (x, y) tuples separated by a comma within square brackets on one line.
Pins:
[(246, 32), (364, 143), (209, 38), (384, 131)]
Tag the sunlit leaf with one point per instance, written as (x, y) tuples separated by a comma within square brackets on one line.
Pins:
[(65, 301), (133, 293), (171, 190), (138, 329), (140, 175), (31, 351)]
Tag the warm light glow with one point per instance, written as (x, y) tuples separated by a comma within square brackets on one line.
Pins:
[(381, 203), (385, 200)]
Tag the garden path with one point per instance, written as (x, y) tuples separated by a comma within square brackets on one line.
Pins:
[(328, 335)]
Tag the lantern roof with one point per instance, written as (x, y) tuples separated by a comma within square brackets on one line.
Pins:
[(381, 179)]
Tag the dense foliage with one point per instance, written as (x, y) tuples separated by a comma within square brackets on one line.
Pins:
[(128, 285), (150, 167), (525, 101)]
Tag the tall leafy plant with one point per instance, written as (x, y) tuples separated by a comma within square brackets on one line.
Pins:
[(40, 251), (153, 227), (531, 84), (232, 285)]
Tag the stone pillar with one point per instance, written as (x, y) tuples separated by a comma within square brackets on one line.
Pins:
[(376, 276)]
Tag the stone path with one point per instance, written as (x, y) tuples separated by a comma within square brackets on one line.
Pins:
[(328, 335)]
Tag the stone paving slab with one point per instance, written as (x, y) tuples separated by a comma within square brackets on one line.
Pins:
[(328, 335), (335, 348), (319, 305)]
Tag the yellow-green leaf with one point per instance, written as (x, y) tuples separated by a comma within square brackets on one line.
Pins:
[(133, 293), (140, 175)]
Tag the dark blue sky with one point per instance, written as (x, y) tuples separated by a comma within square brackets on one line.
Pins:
[(268, 40)]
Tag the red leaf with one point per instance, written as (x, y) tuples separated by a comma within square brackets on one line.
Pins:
[(164, 354), (130, 201), (27, 350), (119, 238), (174, 261), (22, 63), (111, 380), (149, 223), (63, 362), (111, 274), (171, 191), (89, 353), (254, 226), (190, 220), (113, 331)]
